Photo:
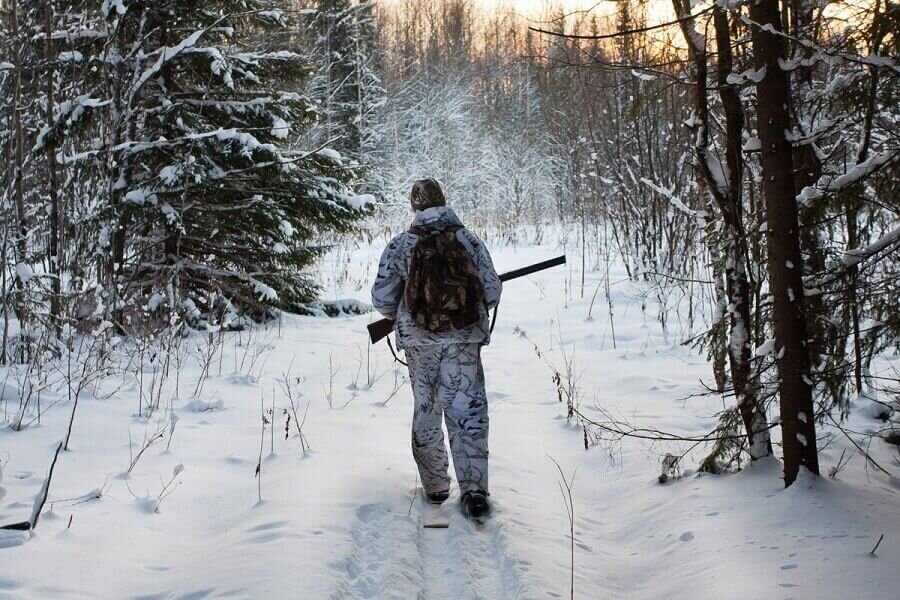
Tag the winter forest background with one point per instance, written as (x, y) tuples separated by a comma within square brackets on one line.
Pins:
[(172, 167)]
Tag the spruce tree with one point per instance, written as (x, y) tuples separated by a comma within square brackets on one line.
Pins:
[(210, 208), (346, 84)]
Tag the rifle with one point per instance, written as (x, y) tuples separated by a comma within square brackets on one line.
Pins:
[(383, 327)]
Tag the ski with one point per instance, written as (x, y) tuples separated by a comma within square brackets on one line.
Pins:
[(433, 516)]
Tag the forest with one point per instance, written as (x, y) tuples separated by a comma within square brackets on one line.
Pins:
[(189, 184)]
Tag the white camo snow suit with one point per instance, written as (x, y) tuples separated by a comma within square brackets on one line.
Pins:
[(444, 368)]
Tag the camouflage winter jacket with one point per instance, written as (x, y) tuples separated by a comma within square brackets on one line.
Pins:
[(393, 268)]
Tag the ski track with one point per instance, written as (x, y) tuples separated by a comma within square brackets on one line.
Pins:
[(488, 568), (394, 556), (380, 564)]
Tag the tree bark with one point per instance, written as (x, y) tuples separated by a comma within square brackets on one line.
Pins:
[(731, 206), (17, 147), (783, 244), (53, 181)]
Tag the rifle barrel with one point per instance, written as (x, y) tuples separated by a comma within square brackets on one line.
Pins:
[(382, 328), (516, 273)]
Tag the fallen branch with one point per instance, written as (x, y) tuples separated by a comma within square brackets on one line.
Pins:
[(878, 543), (39, 501)]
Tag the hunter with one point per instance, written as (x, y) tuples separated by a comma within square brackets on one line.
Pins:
[(438, 283)]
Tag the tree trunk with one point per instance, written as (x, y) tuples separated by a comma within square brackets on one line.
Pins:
[(20, 243), (852, 215), (752, 411), (728, 199), (783, 243), (53, 181)]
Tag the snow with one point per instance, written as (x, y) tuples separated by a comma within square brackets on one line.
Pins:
[(141, 196), (24, 272), (71, 56), (286, 229), (275, 16), (753, 75), (170, 174), (765, 348), (280, 128), (675, 200), (264, 292), (155, 301), (337, 520), (360, 202), (331, 154), (114, 5)]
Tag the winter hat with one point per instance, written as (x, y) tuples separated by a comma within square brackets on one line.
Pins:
[(426, 193)]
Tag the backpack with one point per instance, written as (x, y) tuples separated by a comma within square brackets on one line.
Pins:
[(443, 290)]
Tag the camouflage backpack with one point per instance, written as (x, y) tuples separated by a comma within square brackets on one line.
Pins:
[(443, 290)]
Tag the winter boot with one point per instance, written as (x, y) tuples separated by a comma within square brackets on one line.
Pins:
[(475, 504), (438, 497)]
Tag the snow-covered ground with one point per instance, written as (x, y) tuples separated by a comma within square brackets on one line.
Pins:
[(339, 520)]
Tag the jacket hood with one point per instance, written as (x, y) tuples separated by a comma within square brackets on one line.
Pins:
[(437, 217)]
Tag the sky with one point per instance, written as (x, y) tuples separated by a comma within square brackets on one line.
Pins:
[(659, 10), (533, 8)]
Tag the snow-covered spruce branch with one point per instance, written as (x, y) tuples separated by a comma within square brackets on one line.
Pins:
[(829, 184), (869, 61), (669, 195), (623, 32), (166, 55), (858, 257)]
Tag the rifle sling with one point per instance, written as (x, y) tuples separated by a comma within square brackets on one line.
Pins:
[(391, 346)]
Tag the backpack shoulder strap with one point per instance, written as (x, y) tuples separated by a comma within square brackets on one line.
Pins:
[(425, 231)]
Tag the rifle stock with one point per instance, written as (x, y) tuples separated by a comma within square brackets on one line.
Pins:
[(382, 328)]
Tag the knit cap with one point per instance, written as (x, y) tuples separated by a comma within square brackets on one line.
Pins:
[(426, 193)]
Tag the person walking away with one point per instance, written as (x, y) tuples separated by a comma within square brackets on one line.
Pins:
[(438, 283)]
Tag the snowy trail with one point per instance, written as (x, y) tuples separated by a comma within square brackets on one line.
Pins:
[(394, 556), (336, 522), (380, 564)]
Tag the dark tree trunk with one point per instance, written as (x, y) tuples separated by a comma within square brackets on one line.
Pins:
[(17, 147), (53, 181), (783, 243), (731, 206)]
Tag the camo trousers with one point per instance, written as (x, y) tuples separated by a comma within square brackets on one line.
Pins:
[(448, 381)]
